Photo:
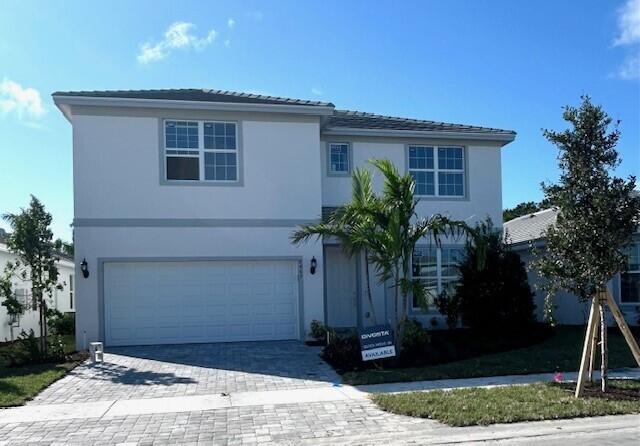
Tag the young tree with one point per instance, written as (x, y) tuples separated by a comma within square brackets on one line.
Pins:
[(598, 215), (389, 227), (31, 240)]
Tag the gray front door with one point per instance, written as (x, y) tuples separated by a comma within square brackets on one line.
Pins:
[(341, 288)]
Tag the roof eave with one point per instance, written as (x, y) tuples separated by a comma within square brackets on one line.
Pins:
[(503, 137), (64, 103)]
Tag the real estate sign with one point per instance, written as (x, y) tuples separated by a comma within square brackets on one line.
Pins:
[(376, 342)]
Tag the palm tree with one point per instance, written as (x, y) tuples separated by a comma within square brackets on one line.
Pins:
[(387, 228), (398, 232), (349, 224)]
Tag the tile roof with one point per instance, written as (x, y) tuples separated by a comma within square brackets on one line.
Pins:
[(194, 94), (362, 120), (529, 227), (341, 119)]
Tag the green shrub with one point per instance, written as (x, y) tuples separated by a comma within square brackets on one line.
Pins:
[(26, 350), (343, 351), (55, 348), (415, 341), (449, 306), (496, 297), (61, 323), (318, 331)]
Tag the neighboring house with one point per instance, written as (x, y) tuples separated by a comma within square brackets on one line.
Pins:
[(62, 300), (523, 233), (185, 201)]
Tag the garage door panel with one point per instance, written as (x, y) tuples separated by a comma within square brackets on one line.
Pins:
[(200, 301)]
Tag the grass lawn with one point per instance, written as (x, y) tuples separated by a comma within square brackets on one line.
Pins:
[(560, 352), (19, 384), (533, 402)]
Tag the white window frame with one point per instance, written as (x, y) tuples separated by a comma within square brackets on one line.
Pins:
[(200, 152), (440, 279), (636, 245), (436, 170), (339, 173)]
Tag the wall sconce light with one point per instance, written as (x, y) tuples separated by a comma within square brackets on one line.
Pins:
[(314, 265), (84, 267)]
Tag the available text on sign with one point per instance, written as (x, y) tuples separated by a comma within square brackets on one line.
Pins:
[(376, 342)]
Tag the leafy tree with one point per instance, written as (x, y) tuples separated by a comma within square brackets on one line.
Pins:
[(496, 297), (389, 227), (598, 211), (63, 247), (528, 207), (31, 240), (525, 208)]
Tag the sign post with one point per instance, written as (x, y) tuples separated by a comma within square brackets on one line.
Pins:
[(376, 342)]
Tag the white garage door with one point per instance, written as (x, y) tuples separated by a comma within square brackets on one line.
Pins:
[(212, 301)]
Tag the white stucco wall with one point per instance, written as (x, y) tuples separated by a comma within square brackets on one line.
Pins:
[(117, 174), (29, 320), (483, 198), (117, 171), (484, 177)]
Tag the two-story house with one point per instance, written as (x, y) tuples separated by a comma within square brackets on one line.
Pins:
[(185, 201)]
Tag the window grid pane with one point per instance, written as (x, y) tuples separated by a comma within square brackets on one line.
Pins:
[(181, 134), (220, 166), (630, 288), (219, 135), (450, 184), (424, 262), (420, 157), (436, 273), (339, 158), (425, 183), (633, 257), (451, 258), (450, 158)]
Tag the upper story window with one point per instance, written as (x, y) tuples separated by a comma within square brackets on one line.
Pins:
[(630, 280), (201, 151), (437, 269), (437, 171), (339, 158)]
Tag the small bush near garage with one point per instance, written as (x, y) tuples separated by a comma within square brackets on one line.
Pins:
[(61, 323), (24, 371), (26, 350)]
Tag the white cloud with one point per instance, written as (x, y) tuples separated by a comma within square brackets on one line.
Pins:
[(179, 36), (231, 23), (227, 43), (628, 23), (24, 102), (317, 91), (630, 69)]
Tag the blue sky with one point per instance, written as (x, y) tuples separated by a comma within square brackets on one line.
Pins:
[(496, 63)]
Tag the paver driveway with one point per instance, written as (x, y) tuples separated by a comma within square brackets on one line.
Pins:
[(193, 369)]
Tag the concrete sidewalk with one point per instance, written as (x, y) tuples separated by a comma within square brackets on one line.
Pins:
[(145, 406), (489, 381), (178, 404), (621, 430)]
